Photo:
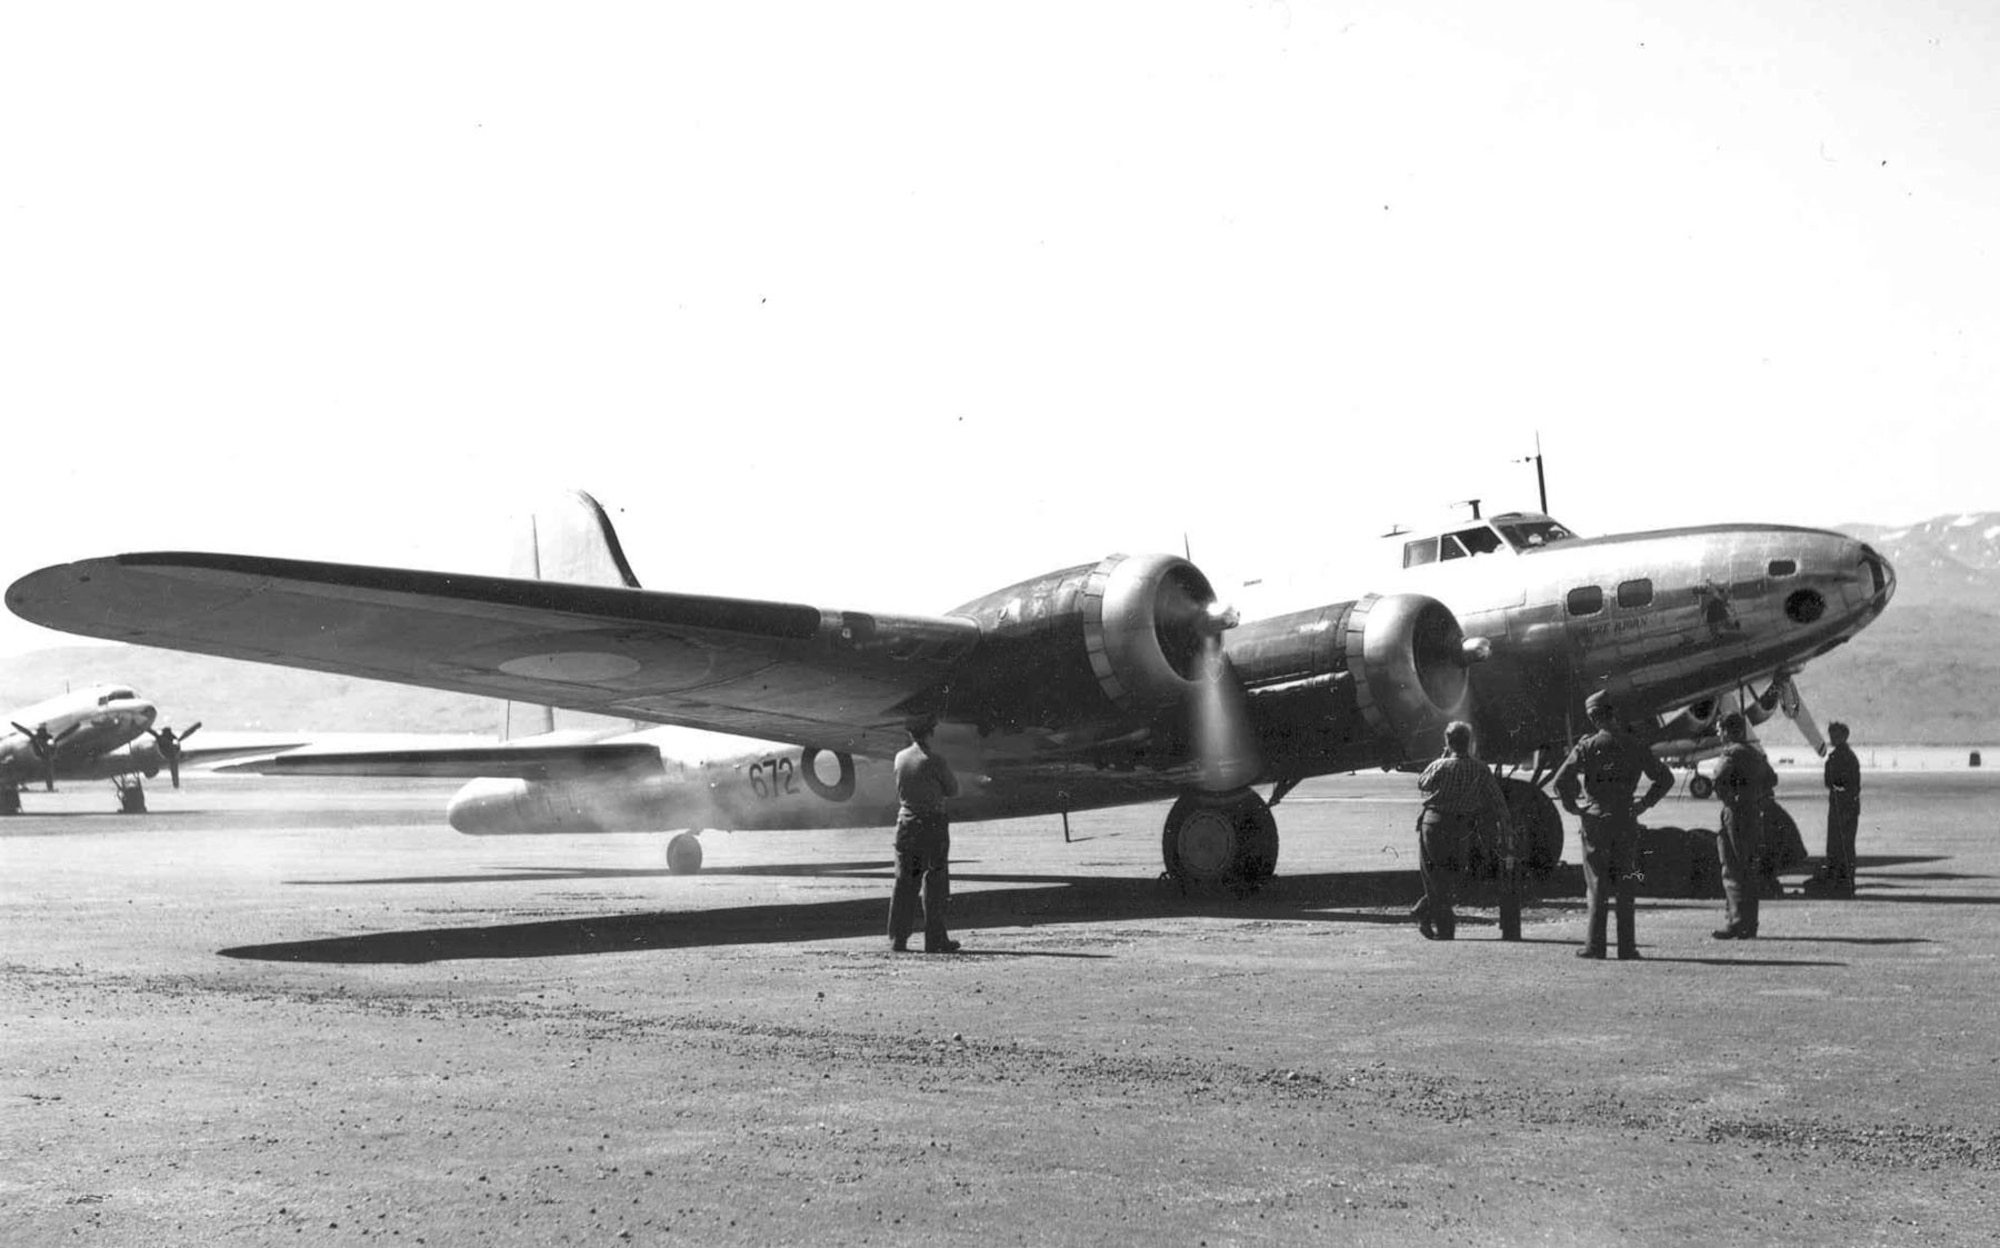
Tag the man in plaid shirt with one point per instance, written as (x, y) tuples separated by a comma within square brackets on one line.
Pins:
[(1457, 790)]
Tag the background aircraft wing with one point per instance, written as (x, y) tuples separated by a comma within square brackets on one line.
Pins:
[(771, 670), (522, 762)]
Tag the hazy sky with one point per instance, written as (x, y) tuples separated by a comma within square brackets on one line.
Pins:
[(881, 306)]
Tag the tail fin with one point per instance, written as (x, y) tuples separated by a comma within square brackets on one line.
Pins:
[(568, 538)]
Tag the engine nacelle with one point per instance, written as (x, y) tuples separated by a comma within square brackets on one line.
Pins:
[(1120, 638), (1408, 656), (1354, 683)]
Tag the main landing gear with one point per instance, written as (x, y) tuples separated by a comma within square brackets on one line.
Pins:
[(1220, 838), (10, 800), (131, 794)]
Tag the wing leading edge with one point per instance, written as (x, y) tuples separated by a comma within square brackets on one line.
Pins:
[(772, 670)]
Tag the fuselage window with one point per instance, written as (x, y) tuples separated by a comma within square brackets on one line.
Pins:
[(1588, 600), (1783, 567), (1424, 550), (1635, 593)]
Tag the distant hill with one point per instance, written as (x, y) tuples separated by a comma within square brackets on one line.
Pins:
[(1926, 673)]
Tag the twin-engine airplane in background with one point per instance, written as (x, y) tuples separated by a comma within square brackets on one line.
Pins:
[(1114, 682), (90, 734)]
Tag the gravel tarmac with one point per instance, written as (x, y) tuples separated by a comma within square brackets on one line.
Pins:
[(277, 1012)]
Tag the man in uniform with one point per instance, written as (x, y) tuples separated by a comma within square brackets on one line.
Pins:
[(1458, 790), (1743, 781), (1843, 812), (1596, 784), (923, 842)]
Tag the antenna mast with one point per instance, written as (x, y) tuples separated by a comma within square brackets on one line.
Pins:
[(1541, 481)]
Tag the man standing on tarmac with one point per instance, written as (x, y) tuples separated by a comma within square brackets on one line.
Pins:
[(1458, 790), (1743, 780), (923, 842), (1596, 784), (1843, 813)]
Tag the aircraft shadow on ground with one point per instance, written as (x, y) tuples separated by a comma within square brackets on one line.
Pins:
[(1024, 901)]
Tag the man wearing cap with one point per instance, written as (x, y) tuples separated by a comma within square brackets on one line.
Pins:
[(1458, 791), (1596, 784), (923, 842), (1743, 780)]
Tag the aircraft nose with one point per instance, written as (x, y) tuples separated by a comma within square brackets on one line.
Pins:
[(485, 807), (1882, 572)]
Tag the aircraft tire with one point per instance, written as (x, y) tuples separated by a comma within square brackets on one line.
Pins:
[(1212, 838), (10, 800), (1781, 837), (1542, 826), (1700, 787), (684, 854)]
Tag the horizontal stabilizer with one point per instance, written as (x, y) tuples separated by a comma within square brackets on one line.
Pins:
[(519, 762)]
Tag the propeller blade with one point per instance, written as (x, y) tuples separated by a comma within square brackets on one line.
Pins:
[(191, 731), (174, 769), (1794, 706), (1225, 745)]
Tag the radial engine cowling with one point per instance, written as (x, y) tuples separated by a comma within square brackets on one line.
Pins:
[(1407, 654)]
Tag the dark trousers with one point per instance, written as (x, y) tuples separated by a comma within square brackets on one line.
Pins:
[(1610, 860), (923, 865), (1441, 863), (1843, 819), (1740, 845)]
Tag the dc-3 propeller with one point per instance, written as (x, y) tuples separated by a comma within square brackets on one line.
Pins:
[(45, 743), (170, 743)]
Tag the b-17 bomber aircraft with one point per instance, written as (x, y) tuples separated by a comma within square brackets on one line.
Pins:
[(89, 734), (1118, 681)]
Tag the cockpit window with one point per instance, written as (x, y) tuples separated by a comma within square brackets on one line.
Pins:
[(115, 695), (1423, 550), (1449, 547), (1529, 534), (1479, 541)]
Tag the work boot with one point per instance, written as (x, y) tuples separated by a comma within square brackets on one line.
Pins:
[(1586, 952), (1629, 955), (949, 946), (1424, 927), (1726, 933)]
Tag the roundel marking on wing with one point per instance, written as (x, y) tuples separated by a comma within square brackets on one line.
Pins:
[(580, 667)]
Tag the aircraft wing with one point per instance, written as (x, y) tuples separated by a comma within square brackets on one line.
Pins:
[(523, 762), (771, 670)]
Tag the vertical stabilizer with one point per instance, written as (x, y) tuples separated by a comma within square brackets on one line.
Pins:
[(568, 538)]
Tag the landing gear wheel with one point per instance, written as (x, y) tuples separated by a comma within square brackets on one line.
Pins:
[(1216, 838), (10, 800), (131, 796), (684, 854), (1541, 827), (1700, 787)]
